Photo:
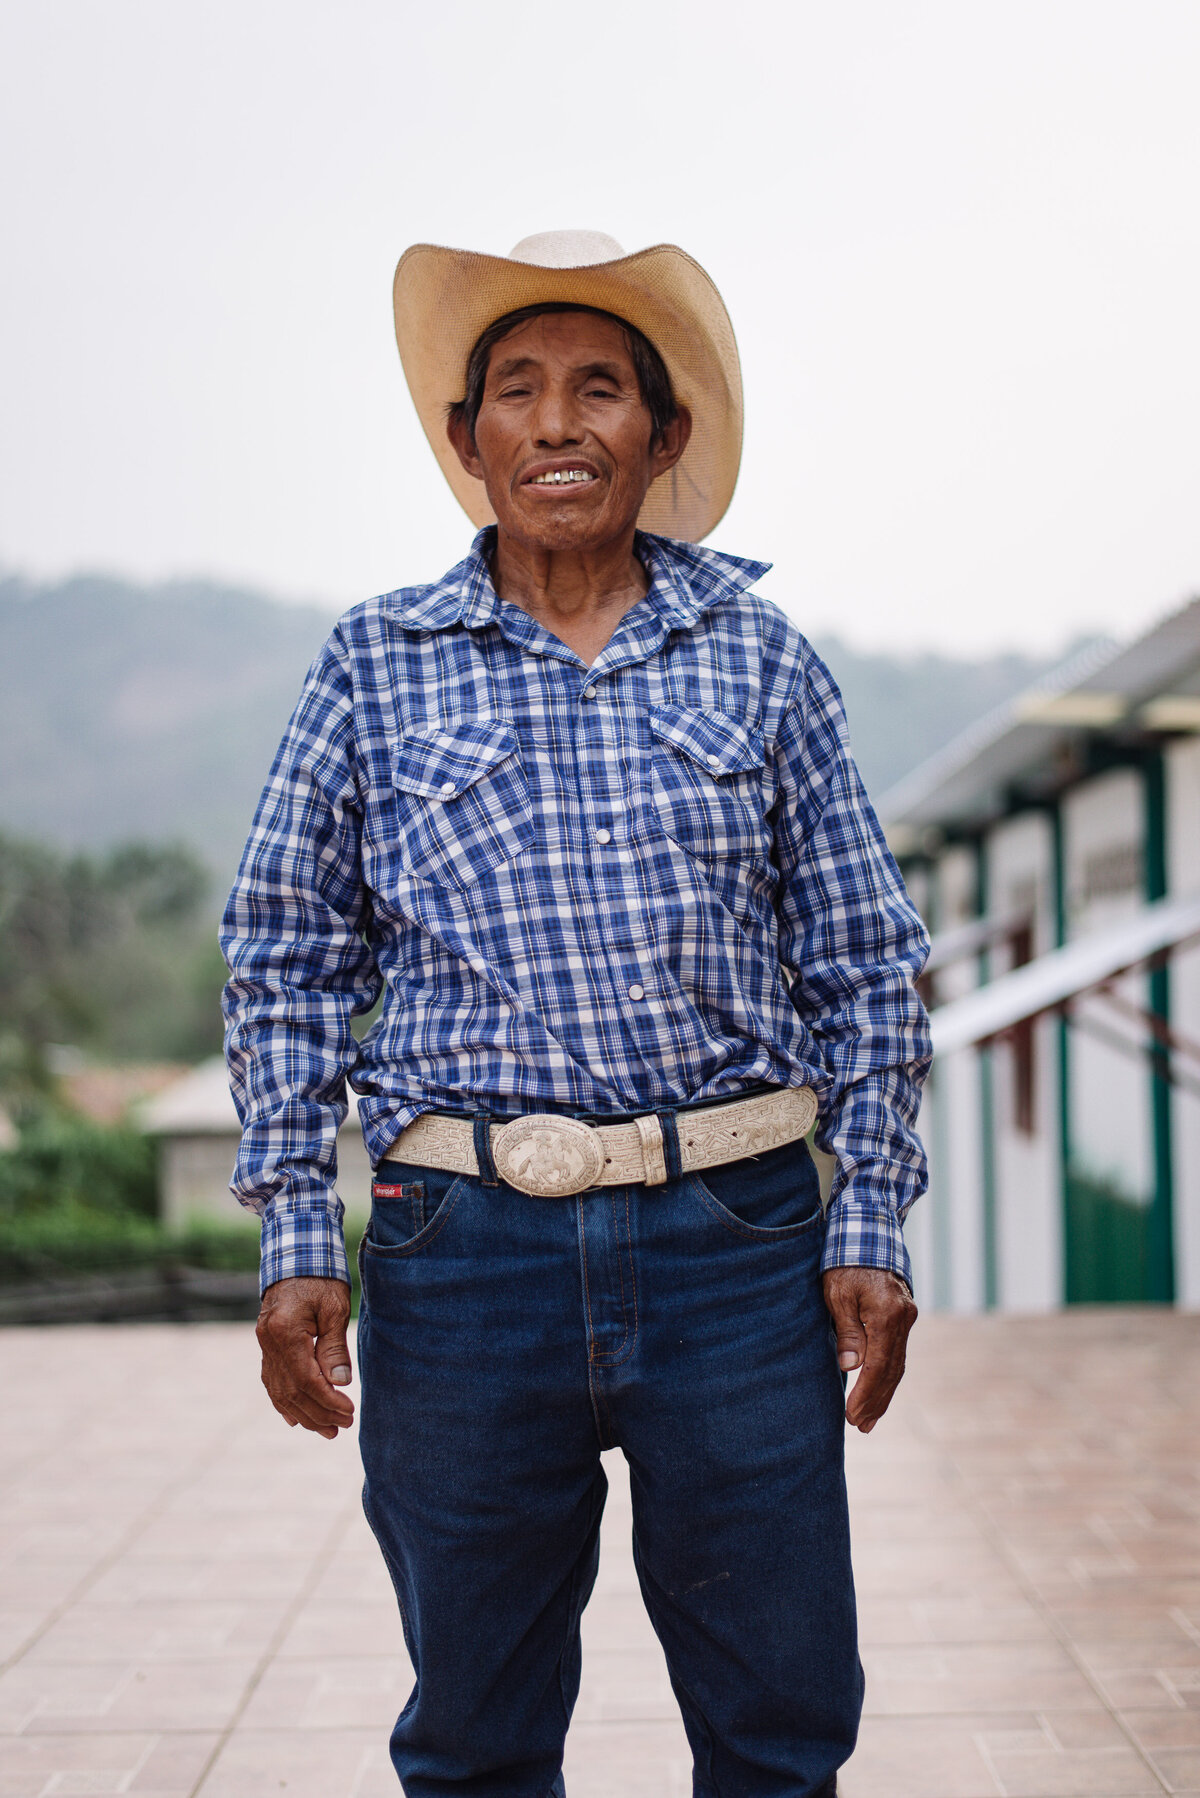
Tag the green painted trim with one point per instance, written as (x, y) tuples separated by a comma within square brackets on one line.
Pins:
[(1160, 1245), (987, 1107), (1058, 875), (987, 1149), (943, 1222)]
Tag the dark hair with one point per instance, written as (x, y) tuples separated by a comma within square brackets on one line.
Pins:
[(651, 370)]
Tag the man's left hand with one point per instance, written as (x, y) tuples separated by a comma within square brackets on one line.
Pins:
[(872, 1313)]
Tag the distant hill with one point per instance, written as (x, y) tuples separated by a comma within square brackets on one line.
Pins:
[(144, 712), (903, 708), (153, 712)]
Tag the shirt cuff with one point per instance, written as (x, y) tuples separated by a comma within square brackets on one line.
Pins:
[(858, 1235), (306, 1243)]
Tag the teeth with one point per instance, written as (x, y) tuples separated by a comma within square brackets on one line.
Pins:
[(557, 476)]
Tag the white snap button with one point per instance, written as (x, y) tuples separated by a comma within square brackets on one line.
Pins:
[(604, 836), (589, 692), (447, 786), (714, 761), (636, 991)]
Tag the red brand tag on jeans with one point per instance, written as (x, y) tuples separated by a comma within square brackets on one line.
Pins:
[(380, 1191)]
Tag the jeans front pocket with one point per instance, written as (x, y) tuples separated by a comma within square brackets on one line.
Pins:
[(410, 1206), (407, 1197), (766, 1198), (462, 801)]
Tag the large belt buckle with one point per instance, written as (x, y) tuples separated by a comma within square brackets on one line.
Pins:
[(548, 1157)]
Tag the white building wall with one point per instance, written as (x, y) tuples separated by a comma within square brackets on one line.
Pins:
[(919, 1232), (953, 1126), (958, 1196), (193, 1182), (1028, 1186), (920, 1226), (1111, 1131), (194, 1173), (1183, 877)]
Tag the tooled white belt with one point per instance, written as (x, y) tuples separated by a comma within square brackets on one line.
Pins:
[(552, 1157)]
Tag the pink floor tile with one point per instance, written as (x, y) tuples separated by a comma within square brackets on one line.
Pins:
[(1029, 1570), (634, 1760), (347, 1693), (148, 1765), (339, 1763)]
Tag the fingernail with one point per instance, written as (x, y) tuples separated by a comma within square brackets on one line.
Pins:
[(847, 1360), (341, 1376)]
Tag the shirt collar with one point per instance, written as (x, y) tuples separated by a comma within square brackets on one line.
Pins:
[(464, 594), (686, 580)]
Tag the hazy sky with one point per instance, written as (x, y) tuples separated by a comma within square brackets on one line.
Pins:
[(960, 243)]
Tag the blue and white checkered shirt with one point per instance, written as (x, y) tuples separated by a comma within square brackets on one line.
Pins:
[(632, 886)]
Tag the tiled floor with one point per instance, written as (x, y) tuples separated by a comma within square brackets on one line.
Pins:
[(190, 1602)]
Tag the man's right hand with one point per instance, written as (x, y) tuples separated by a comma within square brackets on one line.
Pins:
[(302, 1333)]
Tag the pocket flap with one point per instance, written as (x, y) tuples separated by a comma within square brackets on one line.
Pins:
[(441, 761), (717, 743)]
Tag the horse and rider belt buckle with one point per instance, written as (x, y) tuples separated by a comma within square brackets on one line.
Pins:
[(548, 1157)]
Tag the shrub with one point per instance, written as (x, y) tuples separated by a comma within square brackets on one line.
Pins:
[(71, 1162), (79, 1198), (71, 1241)]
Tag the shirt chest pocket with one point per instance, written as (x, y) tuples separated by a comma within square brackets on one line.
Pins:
[(463, 802), (706, 773)]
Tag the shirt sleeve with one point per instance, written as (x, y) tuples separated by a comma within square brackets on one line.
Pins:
[(300, 970), (853, 945)]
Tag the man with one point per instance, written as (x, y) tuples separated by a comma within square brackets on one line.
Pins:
[(583, 814)]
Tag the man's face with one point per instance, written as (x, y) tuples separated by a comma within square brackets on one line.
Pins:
[(563, 438)]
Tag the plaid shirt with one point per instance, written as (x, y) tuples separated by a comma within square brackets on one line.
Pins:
[(627, 887)]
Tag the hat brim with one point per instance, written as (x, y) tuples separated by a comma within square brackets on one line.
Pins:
[(445, 298)]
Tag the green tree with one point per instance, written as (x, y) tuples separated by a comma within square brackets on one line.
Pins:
[(112, 952)]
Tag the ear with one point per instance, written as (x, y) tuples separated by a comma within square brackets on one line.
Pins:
[(464, 447), (670, 444)]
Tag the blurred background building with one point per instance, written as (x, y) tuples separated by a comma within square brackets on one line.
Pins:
[(196, 1127), (1054, 849)]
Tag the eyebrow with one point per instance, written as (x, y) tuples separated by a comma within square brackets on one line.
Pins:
[(515, 364), (608, 369)]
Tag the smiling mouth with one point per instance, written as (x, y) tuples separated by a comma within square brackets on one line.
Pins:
[(561, 477)]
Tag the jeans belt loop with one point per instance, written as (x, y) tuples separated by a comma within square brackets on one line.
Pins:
[(653, 1141), (482, 1134), (672, 1154)]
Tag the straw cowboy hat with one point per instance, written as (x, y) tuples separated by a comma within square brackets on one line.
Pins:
[(445, 298)]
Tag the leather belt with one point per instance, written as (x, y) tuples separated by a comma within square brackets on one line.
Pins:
[(552, 1157)]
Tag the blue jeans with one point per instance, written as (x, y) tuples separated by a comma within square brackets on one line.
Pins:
[(503, 1342)]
